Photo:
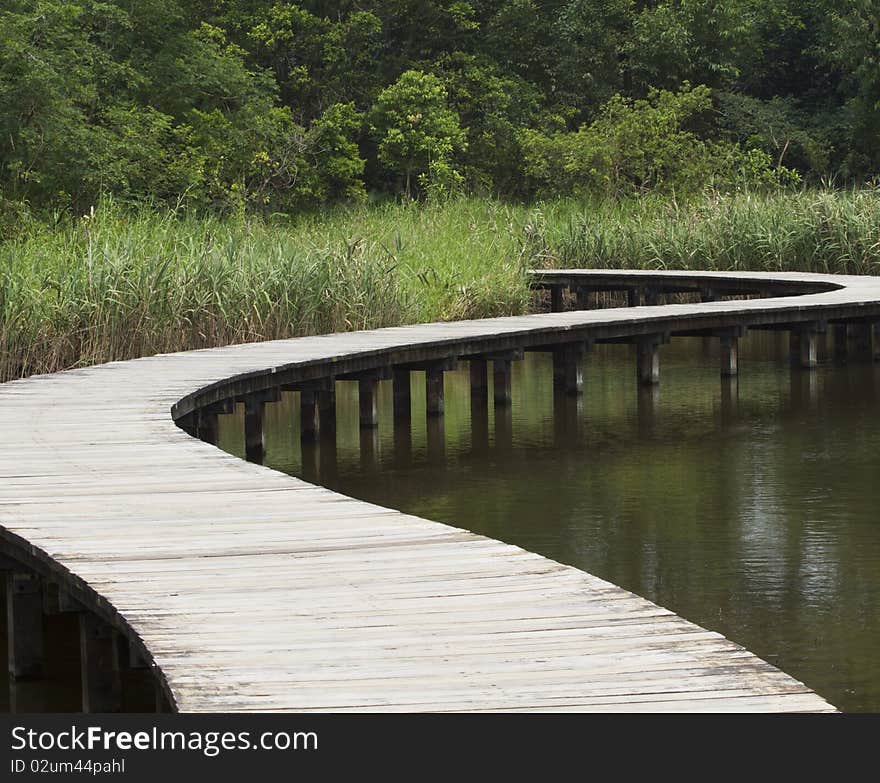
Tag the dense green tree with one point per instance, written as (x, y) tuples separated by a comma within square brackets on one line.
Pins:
[(414, 126), (281, 105)]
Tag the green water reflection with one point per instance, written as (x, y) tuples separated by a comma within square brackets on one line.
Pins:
[(749, 508)]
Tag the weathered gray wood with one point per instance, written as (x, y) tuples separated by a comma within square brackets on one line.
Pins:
[(250, 590)]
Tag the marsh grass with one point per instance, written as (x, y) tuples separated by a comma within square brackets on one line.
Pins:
[(122, 283)]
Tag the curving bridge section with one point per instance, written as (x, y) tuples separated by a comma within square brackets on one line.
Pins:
[(239, 588)]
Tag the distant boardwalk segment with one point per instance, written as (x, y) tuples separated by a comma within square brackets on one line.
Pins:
[(243, 589)]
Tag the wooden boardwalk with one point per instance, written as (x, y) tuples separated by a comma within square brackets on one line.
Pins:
[(250, 590)]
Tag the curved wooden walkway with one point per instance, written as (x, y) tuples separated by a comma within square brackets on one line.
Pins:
[(250, 590)]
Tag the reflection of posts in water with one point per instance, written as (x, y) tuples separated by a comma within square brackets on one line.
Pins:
[(804, 345), (401, 387), (503, 426), (648, 409), (729, 398), (327, 459), (729, 344), (568, 412), (804, 390), (309, 455), (479, 373), (479, 421), (436, 439), (369, 448)]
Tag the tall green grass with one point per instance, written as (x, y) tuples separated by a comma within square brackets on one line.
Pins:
[(121, 284), (124, 283), (813, 230)]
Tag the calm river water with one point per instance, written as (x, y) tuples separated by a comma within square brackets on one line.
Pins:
[(750, 509)]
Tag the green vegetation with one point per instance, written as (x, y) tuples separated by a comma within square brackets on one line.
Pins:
[(121, 283), (263, 105), (178, 175)]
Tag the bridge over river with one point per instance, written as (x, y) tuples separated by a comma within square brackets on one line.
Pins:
[(221, 585)]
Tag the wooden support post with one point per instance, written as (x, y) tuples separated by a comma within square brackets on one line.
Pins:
[(794, 346), (369, 414), (707, 295), (502, 375), (326, 399), (254, 439), (556, 298), (652, 297), (479, 372), (583, 298), (568, 373), (206, 425), (648, 360), (24, 625), (633, 297), (401, 385), (99, 665), (729, 355), (839, 332), (434, 391), (808, 347), (863, 339), (308, 415)]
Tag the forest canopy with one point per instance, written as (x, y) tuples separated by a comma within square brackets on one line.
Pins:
[(280, 107)]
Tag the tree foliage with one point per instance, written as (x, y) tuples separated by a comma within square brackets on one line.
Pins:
[(283, 106)]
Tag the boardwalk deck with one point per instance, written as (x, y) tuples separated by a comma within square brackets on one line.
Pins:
[(254, 591)]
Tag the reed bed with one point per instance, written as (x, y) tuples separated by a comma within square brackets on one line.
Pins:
[(121, 282)]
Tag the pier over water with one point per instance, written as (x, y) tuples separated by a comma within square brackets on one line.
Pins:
[(217, 584)]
